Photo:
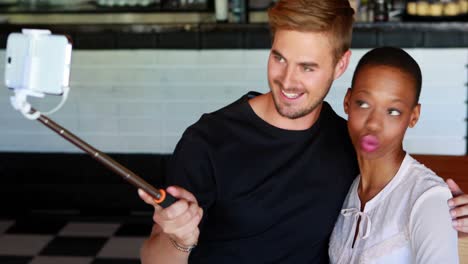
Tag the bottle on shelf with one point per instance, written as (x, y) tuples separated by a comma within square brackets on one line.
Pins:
[(380, 11), (240, 11), (396, 9), (422, 8), (370, 10), (463, 6), (436, 8), (411, 7), (451, 8), (221, 11), (362, 13)]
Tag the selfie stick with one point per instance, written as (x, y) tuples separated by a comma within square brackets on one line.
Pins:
[(159, 195), (26, 86)]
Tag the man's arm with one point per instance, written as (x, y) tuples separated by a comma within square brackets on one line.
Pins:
[(459, 211), (158, 249), (175, 230), (177, 226)]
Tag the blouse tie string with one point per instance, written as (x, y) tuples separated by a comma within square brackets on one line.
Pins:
[(365, 220)]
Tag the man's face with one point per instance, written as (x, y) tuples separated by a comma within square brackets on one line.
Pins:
[(301, 70)]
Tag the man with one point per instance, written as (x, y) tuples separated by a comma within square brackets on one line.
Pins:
[(270, 171)]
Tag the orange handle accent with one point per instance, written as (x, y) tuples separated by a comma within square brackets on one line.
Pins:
[(163, 196)]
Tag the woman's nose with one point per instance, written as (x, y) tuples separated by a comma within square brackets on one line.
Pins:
[(374, 121)]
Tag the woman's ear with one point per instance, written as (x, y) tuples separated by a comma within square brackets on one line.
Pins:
[(346, 100), (415, 115)]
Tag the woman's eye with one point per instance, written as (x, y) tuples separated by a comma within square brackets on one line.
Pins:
[(394, 112), (362, 104)]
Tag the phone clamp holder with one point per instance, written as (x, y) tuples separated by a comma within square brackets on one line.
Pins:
[(30, 75)]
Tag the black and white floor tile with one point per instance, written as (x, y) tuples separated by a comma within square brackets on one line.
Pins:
[(72, 240)]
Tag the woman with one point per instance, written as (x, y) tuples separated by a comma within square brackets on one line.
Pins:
[(396, 210)]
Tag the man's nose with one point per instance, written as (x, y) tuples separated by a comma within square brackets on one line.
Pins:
[(289, 78)]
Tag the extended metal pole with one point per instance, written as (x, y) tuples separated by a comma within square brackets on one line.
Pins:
[(160, 196)]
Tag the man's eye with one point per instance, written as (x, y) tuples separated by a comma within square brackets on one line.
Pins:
[(308, 69), (279, 58), (394, 112), (362, 104)]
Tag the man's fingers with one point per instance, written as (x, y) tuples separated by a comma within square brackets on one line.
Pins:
[(454, 188), (181, 193), (189, 232), (148, 199), (180, 220), (458, 212), (462, 229), (178, 217), (461, 224), (174, 211), (145, 197), (172, 225), (461, 200)]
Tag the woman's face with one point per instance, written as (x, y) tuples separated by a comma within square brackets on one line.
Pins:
[(380, 107)]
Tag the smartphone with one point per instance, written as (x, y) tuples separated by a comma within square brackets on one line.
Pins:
[(38, 61)]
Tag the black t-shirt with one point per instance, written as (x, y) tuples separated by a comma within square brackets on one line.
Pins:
[(269, 195)]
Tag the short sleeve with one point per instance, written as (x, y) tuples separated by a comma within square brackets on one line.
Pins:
[(432, 237), (191, 167)]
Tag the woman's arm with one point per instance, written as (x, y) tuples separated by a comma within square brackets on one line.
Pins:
[(432, 237)]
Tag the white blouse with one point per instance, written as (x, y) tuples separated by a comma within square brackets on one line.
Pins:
[(406, 222)]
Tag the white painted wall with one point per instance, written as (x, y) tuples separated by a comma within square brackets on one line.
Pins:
[(140, 101)]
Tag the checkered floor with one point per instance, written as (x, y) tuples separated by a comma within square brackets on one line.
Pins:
[(45, 239)]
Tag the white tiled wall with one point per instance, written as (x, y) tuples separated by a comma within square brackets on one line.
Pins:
[(442, 126), (140, 101)]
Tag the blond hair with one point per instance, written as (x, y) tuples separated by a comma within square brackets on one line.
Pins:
[(332, 17)]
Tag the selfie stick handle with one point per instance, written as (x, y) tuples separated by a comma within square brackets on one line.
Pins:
[(159, 195)]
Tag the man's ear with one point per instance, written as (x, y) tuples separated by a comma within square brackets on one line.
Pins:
[(415, 115), (342, 64), (346, 100)]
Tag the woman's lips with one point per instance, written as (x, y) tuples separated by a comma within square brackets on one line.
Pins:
[(369, 143)]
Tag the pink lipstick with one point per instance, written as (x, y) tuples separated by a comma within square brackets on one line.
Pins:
[(369, 143)]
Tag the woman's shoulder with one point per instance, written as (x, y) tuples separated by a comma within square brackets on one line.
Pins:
[(425, 186), (419, 185), (421, 178), (431, 233)]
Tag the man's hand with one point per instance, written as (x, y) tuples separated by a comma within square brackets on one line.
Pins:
[(459, 205), (180, 220)]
